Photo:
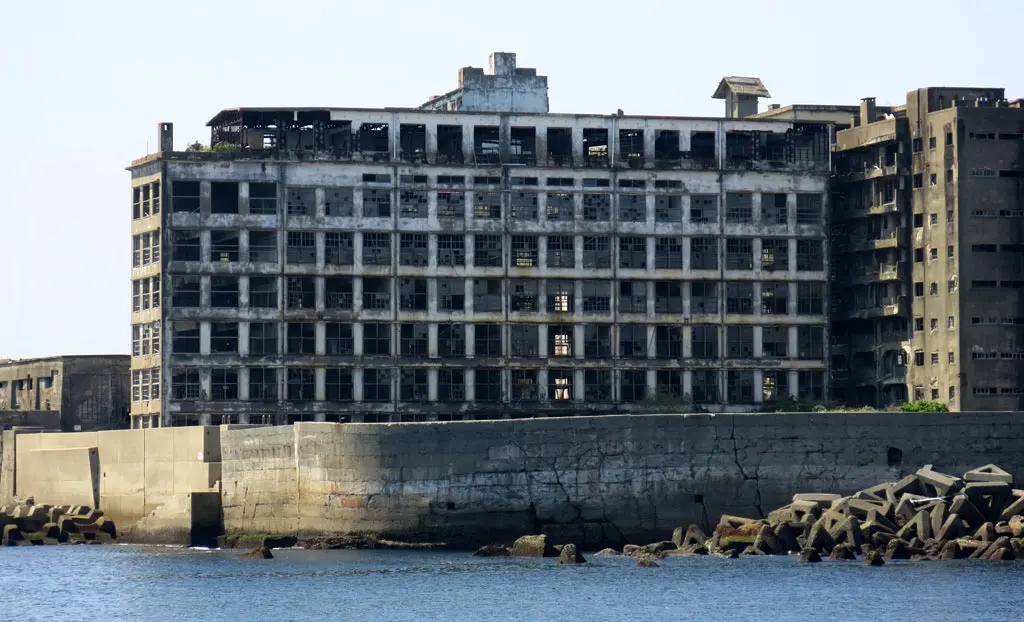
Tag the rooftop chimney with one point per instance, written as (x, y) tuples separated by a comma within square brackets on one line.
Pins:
[(503, 63), (868, 111)]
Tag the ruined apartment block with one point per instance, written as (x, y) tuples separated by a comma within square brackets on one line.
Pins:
[(337, 264), (928, 236)]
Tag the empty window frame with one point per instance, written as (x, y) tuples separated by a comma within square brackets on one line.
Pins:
[(809, 209), (739, 207), (523, 340), (376, 339), (374, 140), (451, 205), (810, 255), (561, 338), (487, 340), (224, 292), (263, 338), (739, 254), (451, 385), (560, 206), (224, 197), (412, 142), (668, 342), (597, 252), (413, 339), (597, 207), (561, 251), (301, 338), (185, 337), (523, 205), (811, 385), (739, 297), (185, 383), (668, 253), (377, 249), (185, 245), (632, 296), (185, 197), (185, 291), (524, 296), (377, 203), (774, 254), (486, 144), (668, 208), (338, 292), (451, 250), (412, 385), (412, 294), (559, 141), (740, 386), (223, 384), (487, 295), (632, 385), (451, 340), (263, 247), (263, 292), (263, 384), (263, 199), (338, 385), (810, 342), (377, 385), (739, 341), (666, 148), (339, 201), (704, 296), (632, 207), (301, 247), (560, 385), (704, 341), (774, 208), (704, 253), (631, 148), (633, 341), (338, 339), (633, 252), (487, 205), (595, 147), (703, 208), (705, 386), (413, 249), (597, 385), (487, 251), (810, 298), (300, 292), (301, 201), (224, 246), (668, 297), (449, 144), (524, 251), (487, 385), (524, 385), (774, 298), (670, 384), (412, 203), (775, 341), (451, 295), (561, 296), (597, 296)]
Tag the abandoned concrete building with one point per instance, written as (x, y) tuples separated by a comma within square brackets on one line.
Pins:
[(928, 242), (70, 393), (339, 264)]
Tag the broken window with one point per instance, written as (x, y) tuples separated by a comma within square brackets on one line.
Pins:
[(486, 144), (560, 146), (703, 297), (668, 208), (597, 252), (668, 297), (449, 144), (560, 383), (376, 203), (702, 150), (262, 199), (809, 209), (632, 297), (704, 342), (740, 386), (487, 205), (185, 383), (739, 207), (739, 296), (811, 385), (705, 386), (339, 248), (487, 385), (263, 246), (224, 197), (560, 206), (339, 202), (412, 203), (377, 249), (451, 250), (301, 201), (523, 340), (451, 205), (376, 294), (633, 252), (524, 251), (338, 339), (561, 251), (376, 385), (560, 296), (301, 383), (596, 207), (487, 295), (739, 254), (597, 296), (704, 254), (597, 385), (523, 145), (300, 292), (773, 208), (775, 341), (666, 148), (185, 338), (810, 342), (597, 341), (633, 385), (451, 385), (338, 385), (560, 340), (668, 342), (263, 292), (595, 147), (262, 384), (633, 341), (412, 249), (524, 385), (810, 298), (184, 197), (523, 296), (774, 254), (451, 340), (185, 246), (487, 340), (413, 339), (223, 246), (704, 209), (632, 207), (412, 385), (412, 142), (374, 141), (524, 205), (301, 247), (262, 338), (774, 298), (412, 294), (668, 253), (376, 339), (451, 295), (301, 338), (224, 337), (809, 255), (224, 291), (740, 342), (631, 148), (185, 291)]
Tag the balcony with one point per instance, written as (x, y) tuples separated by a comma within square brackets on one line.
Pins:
[(883, 307), (861, 243), (870, 171)]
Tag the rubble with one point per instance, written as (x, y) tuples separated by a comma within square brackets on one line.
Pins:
[(26, 525)]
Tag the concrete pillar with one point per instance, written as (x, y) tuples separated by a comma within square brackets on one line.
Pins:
[(687, 249), (320, 375), (688, 383), (357, 340), (357, 295), (649, 136), (243, 197), (794, 383), (791, 301), (432, 340), (651, 343), (758, 386), (469, 332), (432, 382), (687, 336), (319, 293), (542, 341), (320, 339), (470, 378), (243, 378), (470, 241), (542, 385), (792, 345), (357, 376), (204, 338), (321, 202), (243, 339), (652, 382), (758, 342), (578, 384), (431, 146), (205, 194), (755, 201), (578, 343)]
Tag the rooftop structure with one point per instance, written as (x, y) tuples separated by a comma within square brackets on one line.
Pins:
[(505, 88)]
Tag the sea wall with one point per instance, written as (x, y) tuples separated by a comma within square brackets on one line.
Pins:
[(595, 480)]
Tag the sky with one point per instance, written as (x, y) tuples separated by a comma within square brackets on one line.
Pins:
[(84, 84)]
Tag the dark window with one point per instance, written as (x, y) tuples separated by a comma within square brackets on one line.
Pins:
[(301, 338), (376, 339), (488, 385), (704, 342), (338, 385), (740, 342), (376, 385), (224, 291), (633, 385), (301, 384), (339, 339), (451, 385), (262, 338), (597, 385), (487, 340), (487, 251), (224, 337), (223, 384)]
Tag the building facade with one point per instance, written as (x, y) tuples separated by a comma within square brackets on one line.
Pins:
[(406, 265), (928, 226), (70, 393)]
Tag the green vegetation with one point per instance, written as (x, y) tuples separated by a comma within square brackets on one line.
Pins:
[(924, 406), (198, 147)]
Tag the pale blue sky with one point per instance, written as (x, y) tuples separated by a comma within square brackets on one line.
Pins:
[(83, 85)]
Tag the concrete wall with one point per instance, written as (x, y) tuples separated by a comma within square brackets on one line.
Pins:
[(593, 479)]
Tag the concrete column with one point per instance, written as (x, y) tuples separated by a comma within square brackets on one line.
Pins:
[(318, 240), (204, 291), (319, 293), (577, 146), (792, 257), (687, 335), (794, 383), (243, 197), (758, 254), (652, 382), (320, 337), (578, 343), (688, 383), (357, 211), (649, 201), (204, 382), (685, 208), (792, 345), (470, 241), (357, 295), (578, 384), (469, 332), (686, 296), (321, 202), (431, 297), (649, 241), (432, 382), (432, 245), (577, 296), (791, 213), (651, 344), (649, 136), (357, 340), (431, 146), (757, 298), (205, 246), (758, 342), (432, 340), (755, 202), (467, 293), (467, 144), (204, 338), (320, 376), (205, 194), (243, 339), (243, 382), (542, 340), (357, 377), (542, 385), (758, 386), (542, 250), (791, 302), (650, 294), (470, 378), (687, 249), (577, 243)]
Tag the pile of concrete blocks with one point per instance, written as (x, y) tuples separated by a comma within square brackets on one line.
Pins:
[(927, 515), (24, 525)]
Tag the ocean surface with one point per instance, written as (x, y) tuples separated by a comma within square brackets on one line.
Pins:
[(157, 583)]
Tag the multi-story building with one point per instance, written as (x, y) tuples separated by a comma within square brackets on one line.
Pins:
[(928, 236), (65, 392), (345, 264)]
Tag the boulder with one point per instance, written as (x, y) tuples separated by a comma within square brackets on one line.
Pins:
[(898, 549), (647, 562), (1016, 525), (1014, 505), (279, 542), (533, 546), (607, 552), (843, 552), (630, 549), (570, 555), (658, 547), (874, 558), (491, 550), (809, 556), (260, 553)]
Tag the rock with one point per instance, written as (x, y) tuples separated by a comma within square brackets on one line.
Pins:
[(1016, 524), (1000, 543), (320, 543), (865, 549), (607, 552), (843, 552), (533, 546), (492, 550), (898, 549), (279, 542), (1001, 555), (630, 549), (260, 553), (950, 550), (12, 536), (874, 558), (788, 536), (986, 533), (692, 536), (809, 556), (647, 562), (750, 550), (658, 547), (819, 538), (767, 543), (569, 555)]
